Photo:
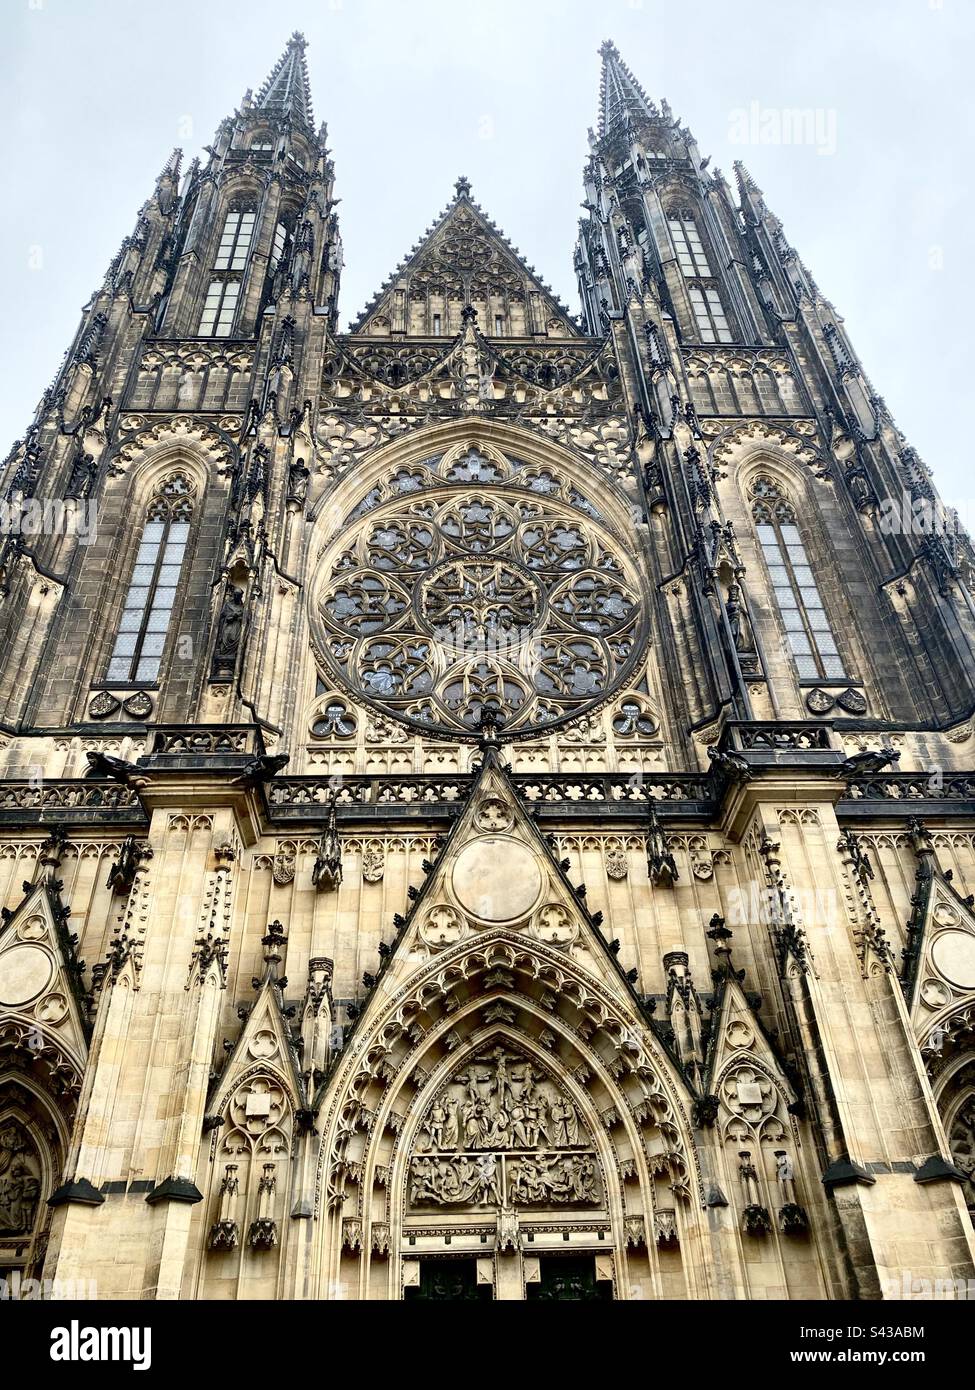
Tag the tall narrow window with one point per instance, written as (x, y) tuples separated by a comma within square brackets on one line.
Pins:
[(279, 245), (437, 325), (223, 291), (219, 308), (709, 315), (710, 319), (796, 592), (238, 230), (142, 629), (691, 256)]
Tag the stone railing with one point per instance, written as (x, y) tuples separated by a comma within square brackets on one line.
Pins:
[(75, 801), (615, 787), (800, 736), (289, 798), (204, 740), (65, 795), (368, 791), (913, 786)]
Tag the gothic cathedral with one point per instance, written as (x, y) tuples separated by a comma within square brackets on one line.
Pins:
[(487, 798)]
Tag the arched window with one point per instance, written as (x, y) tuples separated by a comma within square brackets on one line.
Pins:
[(141, 635), (702, 290), (223, 291), (807, 627)]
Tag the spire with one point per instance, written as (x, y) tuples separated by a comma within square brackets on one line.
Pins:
[(746, 184), (286, 91), (620, 95), (170, 169)]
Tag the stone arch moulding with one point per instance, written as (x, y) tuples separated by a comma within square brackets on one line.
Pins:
[(145, 441), (499, 990), (797, 451), (414, 446)]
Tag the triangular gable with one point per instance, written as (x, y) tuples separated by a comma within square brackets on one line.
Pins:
[(497, 873), (742, 1067), (939, 959), (265, 1045), (464, 259), (40, 974)]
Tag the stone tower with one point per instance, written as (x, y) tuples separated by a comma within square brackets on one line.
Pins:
[(488, 798)]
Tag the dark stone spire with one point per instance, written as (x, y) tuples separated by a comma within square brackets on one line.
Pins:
[(621, 98), (286, 92)]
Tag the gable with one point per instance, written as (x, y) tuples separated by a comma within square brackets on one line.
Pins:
[(41, 998), (497, 874), (939, 959), (464, 259)]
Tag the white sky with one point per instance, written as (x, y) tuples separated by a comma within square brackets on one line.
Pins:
[(416, 92)]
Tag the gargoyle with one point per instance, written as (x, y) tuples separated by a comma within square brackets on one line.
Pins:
[(104, 765), (261, 769)]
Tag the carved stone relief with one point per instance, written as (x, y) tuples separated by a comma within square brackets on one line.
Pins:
[(20, 1180), (502, 1133)]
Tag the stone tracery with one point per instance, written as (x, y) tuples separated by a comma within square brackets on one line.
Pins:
[(440, 605)]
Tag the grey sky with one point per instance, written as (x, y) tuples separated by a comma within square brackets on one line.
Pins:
[(417, 91)]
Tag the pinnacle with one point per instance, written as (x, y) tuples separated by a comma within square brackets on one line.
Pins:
[(746, 184), (170, 169)]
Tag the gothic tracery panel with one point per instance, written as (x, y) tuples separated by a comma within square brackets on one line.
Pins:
[(499, 587)]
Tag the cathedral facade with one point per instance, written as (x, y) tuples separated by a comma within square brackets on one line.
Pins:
[(487, 798)]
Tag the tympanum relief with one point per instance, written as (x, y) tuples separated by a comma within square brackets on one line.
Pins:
[(503, 1133)]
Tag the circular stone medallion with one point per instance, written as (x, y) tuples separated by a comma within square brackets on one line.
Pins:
[(954, 955), (496, 879), (24, 972)]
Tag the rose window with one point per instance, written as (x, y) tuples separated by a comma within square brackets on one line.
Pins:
[(442, 600), (463, 603)]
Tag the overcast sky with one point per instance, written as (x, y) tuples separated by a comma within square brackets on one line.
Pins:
[(878, 200)]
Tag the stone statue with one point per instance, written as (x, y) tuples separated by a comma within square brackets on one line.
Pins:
[(20, 1183), (230, 629)]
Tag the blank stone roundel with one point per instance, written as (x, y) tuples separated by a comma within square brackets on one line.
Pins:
[(497, 879), (954, 955), (26, 971)]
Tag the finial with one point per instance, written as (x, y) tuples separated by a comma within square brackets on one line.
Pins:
[(468, 314), (489, 722), (463, 187)]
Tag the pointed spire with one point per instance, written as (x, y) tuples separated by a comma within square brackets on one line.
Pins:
[(286, 91), (170, 169), (620, 95), (747, 187)]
